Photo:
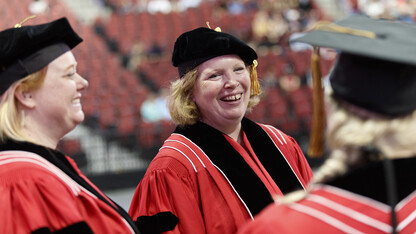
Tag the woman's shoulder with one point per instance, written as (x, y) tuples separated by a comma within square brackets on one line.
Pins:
[(178, 151), (31, 189), (271, 128), (277, 134), (22, 164), (170, 162), (20, 168), (26, 182)]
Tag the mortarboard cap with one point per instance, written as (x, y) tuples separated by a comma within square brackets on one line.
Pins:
[(27, 49), (376, 68), (199, 45), (375, 71)]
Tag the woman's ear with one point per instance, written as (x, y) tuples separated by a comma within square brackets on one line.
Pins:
[(24, 97)]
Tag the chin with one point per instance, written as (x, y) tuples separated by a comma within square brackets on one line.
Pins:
[(235, 118), (79, 118), (237, 115)]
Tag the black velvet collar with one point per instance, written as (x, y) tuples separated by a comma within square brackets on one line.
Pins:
[(242, 177), (370, 180), (271, 158), (58, 159)]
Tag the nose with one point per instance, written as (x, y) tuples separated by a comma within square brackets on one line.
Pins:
[(231, 81), (82, 83)]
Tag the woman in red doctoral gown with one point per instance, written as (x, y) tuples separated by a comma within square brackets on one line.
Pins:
[(41, 189), (367, 184), (217, 169)]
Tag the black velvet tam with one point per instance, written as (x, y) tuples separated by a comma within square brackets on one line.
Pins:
[(380, 86), (376, 68), (199, 45), (27, 49)]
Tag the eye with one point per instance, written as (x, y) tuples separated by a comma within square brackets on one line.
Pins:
[(239, 69), (70, 75), (214, 75)]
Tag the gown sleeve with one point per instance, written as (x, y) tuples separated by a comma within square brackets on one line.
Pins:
[(34, 200), (167, 187)]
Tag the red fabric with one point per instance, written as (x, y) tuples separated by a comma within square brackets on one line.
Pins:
[(329, 209), (171, 184), (293, 154), (33, 196), (251, 159), (182, 180), (74, 165)]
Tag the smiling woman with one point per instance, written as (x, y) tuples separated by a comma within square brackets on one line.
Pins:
[(222, 93), (42, 190), (55, 103), (217, 169)]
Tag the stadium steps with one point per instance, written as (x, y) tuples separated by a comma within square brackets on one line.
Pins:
[(104, 156)]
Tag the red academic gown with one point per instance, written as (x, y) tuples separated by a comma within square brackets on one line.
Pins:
[(355, 203), (212, 184), (48, 193)]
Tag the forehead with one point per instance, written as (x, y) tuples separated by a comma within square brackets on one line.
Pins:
[(221, 61), (63, 62)]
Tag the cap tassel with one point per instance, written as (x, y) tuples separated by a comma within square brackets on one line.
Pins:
[(24, 21), (255, 85), (316, 140), (332, 27), (217, 29)]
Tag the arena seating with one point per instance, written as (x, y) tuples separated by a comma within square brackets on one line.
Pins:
[(116, 92)]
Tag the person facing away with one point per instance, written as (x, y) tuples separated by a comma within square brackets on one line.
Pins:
[(366, 185), (42, 190), (217, 169)]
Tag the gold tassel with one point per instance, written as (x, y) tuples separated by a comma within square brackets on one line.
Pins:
[(217, 29), (316, 140), (332, 27), (255, 88), (24, 21)]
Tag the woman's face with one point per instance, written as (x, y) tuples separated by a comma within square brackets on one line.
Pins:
[(222, 91), (58, 100)]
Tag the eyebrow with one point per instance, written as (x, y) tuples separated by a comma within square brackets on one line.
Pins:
[(73, 65)]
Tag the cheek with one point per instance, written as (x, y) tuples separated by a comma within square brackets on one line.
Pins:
[(209, 92), (201, 91), (246, 80)]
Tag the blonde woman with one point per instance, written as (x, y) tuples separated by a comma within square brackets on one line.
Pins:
[(218, 169), (42, 190), (367, 184)]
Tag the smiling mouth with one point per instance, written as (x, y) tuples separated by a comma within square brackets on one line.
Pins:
[(232, 98)]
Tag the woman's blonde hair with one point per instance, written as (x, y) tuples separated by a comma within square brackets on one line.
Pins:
[(11, 119), (347, 134), (183, 109)]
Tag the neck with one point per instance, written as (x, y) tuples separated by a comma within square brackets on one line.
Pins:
[(236, 135), (40, 134), (233, 131)]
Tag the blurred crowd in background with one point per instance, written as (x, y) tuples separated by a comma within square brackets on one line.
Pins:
[(126, 58)]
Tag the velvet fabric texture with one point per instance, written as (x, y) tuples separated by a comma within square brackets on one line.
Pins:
[(25, 50), (199, 45), (230, 162), (380, 86)]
